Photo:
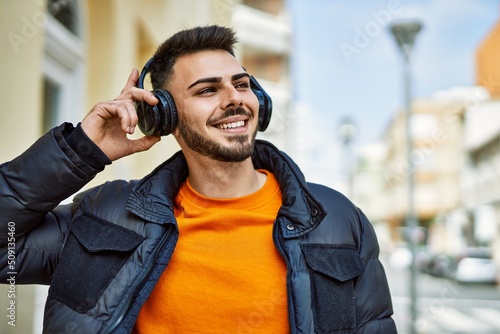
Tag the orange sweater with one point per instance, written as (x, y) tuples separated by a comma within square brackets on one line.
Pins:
[(226, 275)]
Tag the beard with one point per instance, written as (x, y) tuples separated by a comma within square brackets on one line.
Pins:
[(240, 147)]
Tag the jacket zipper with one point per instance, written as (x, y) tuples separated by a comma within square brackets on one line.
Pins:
[(277, 244), (142, 279)]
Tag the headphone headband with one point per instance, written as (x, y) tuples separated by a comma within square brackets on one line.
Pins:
[(144, 72)]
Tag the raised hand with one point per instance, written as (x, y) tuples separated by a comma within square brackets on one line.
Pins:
[(108, 123)]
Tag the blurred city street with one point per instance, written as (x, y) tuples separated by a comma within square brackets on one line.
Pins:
[(444, 306)]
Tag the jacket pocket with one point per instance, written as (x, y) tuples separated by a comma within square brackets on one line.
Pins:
[(94, 252), (332, 269)]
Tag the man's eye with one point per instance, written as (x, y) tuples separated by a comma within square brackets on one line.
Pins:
[(242, 85), (207, 90)]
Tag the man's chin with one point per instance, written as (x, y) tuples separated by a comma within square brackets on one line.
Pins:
[(233, 153)]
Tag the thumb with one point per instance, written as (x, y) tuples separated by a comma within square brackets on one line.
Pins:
[(144, 143)]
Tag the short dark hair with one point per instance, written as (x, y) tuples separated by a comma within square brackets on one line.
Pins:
[(187, 42)]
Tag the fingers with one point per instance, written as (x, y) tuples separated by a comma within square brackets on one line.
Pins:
[(125, 110), (138, 95), (118, 113), (132, 80), (128, 118), (131, 91)]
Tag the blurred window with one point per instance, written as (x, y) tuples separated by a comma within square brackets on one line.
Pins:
[(423, 126), (66, 12), (63, 63), (51, 98), (487, 152)]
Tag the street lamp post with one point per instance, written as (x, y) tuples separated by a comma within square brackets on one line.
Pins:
[(347, 132), (404, 34)]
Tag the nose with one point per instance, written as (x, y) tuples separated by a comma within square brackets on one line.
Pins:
[(232, 97)]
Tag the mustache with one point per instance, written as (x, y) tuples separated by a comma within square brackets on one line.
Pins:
[(238, 111)]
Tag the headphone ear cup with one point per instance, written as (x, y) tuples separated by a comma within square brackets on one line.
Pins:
[(265, 104), (148, 117), (265, 109), (167, 108), (160, 119)]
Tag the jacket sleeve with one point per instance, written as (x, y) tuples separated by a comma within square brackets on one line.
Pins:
[(373, 297), (32, 223)]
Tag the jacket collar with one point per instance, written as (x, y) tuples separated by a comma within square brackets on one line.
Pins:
[(153, 197), (300, 212)]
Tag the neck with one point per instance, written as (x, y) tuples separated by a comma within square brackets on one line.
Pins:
[(218, 179)]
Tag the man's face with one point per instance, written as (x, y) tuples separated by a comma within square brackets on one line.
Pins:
[(218, 112)]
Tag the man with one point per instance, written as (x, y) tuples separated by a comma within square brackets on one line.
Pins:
[(226, 236)]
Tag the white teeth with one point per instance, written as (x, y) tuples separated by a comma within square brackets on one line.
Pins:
[(231, 125)]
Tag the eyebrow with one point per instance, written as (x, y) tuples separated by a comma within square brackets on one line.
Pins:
[(218, 79)]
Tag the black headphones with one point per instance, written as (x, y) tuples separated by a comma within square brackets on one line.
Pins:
[(161, 119)]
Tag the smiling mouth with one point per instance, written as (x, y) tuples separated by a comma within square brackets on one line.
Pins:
[(232, 125)]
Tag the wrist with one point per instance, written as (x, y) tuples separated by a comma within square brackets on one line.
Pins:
[(86, 149)]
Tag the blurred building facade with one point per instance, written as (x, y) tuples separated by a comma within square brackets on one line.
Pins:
[(60, 57), (436, 160), (367, 181), (456, 160), (481, 173)]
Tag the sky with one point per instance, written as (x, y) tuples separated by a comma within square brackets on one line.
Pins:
[(346, 62)]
